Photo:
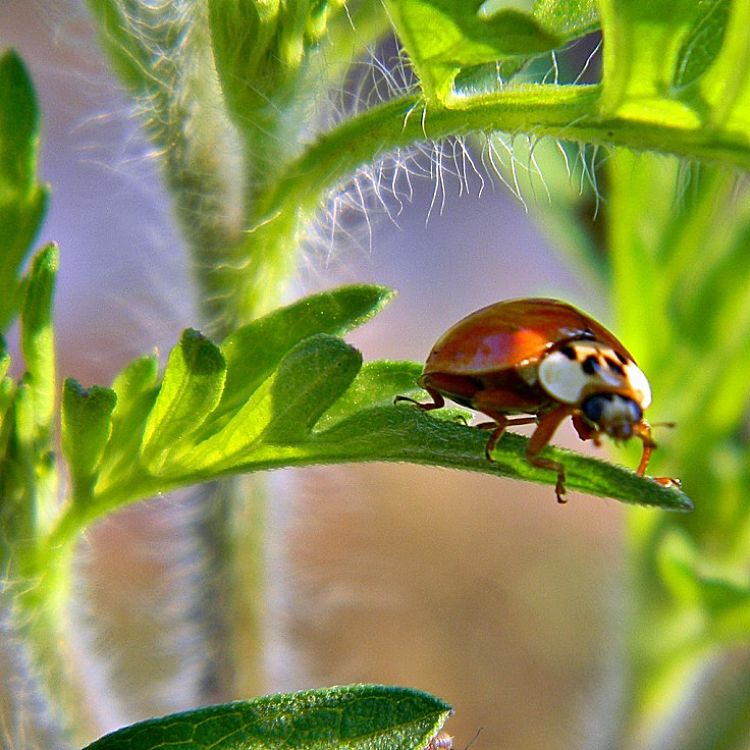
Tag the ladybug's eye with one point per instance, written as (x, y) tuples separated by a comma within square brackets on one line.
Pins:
[(612, 413), (593, 407)]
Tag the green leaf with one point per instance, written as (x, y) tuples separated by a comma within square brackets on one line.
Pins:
[(724, 89), (254, 65), (4, 358), (720, 593), (7, 391), (22, 200), (37, 335), (263, 63), (650, 47), (317, 405), (254, 351), (86, 428), (357, 717), (444, 36), (703, 42), (191, 389), (567, 18)]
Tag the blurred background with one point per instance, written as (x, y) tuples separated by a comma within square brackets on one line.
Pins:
[(480, 590)]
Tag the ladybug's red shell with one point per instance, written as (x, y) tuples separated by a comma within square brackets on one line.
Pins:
[(513, 334), (543, 358)]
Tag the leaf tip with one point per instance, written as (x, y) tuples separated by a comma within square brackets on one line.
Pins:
[(200, 353), (47, 259)]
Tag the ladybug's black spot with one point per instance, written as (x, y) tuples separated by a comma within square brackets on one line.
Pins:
[(614, 366), (622, 358), (590, 365), (568, 351)]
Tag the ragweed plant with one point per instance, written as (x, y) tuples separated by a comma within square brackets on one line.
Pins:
[(267, 387)]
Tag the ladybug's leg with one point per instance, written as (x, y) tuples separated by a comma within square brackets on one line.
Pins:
[(438, 402), (541, 437), (643, 430), (498, 428), (508, 423)]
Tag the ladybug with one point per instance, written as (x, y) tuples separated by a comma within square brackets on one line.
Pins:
[(546, 359)]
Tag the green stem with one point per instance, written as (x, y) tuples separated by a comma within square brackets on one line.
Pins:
[(40, 614), (261, 262)]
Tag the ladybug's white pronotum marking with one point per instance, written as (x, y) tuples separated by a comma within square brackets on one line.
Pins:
[(580, 368)]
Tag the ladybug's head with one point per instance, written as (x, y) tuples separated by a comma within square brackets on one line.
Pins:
[(613, 414), (582, 371)]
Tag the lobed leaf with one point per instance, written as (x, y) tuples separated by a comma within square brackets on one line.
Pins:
[(376, 384), (317, 404), (723, 90), (7, 391), (697, 47), (4, 359), (283, 410), (702, 42), (718, 593), (357, 717), (404, 433)]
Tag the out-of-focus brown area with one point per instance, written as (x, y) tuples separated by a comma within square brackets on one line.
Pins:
[(485, 592)]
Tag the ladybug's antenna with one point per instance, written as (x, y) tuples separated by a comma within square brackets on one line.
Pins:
[(474, 738), (664, 424)]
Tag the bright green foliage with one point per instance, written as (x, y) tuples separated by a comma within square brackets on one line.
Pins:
[(669, 72), (22, 199), (270, 337), (355, 717), (264, 63)]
